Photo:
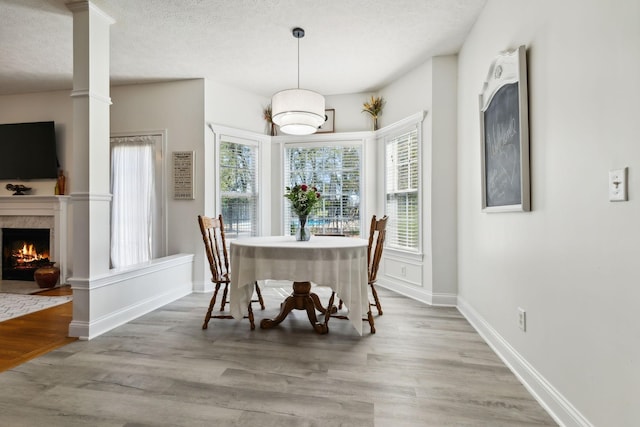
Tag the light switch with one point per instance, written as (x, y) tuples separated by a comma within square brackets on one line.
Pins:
[(618, 185)]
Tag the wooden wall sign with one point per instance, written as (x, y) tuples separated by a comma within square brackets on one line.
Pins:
[(183, 172)]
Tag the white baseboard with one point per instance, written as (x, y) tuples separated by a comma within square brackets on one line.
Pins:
[(95, 328), (562, 411), (419, 294), (203, 286)]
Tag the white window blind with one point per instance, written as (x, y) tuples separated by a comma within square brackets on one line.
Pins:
[(401, 190), (335, 169), (238, 189)]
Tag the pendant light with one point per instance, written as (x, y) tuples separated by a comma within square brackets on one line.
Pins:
[(298, 111)]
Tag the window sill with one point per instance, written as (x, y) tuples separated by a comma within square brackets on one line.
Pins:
[(403, 254)]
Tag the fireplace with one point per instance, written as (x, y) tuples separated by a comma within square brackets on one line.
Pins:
[(48, 213), (24, 250)]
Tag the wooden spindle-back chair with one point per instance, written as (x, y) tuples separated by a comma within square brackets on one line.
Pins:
[(216, 249), (377, 234)]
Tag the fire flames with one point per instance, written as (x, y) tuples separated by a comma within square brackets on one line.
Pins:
[(27, 254)]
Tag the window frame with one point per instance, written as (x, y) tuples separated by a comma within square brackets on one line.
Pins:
[(326, 140), (253, 196), (237, 136), (383, 136)]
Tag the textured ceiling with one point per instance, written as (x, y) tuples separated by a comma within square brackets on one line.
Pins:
[(350, 46)]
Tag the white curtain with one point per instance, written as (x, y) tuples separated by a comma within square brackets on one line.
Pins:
[(132, 187)]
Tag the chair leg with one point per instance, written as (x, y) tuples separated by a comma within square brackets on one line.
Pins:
[(224, 296), (251, 322), (211, 304), (327, 314), (375, 298), (370, 319), (260, 300)]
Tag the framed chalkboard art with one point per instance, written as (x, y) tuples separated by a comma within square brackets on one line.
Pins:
[(504, 126)]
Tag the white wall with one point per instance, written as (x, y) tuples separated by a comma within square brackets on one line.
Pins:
[(178, 108), (348, 109), (442, 181), (571, 263), (236, 108), (430, 87), (407, 95)]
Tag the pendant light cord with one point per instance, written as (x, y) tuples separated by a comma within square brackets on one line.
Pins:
[(298, 63), (298, 33)]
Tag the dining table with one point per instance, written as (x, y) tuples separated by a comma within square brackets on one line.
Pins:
[(339, 263)]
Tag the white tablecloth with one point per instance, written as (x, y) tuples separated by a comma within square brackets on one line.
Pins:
[(337, 262)]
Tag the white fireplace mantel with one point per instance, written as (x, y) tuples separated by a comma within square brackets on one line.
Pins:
[(40, 212)]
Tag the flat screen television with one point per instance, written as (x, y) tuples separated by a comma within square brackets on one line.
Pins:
[(28, 151)]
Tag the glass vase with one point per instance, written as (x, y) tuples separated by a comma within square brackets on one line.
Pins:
[(302, 233)]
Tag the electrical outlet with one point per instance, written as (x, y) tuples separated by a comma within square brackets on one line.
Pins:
[(522, 319)]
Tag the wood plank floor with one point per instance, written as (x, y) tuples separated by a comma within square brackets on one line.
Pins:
[(32, 335), (425, 366)]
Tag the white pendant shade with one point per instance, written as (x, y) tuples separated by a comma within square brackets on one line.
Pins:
[(298, 111)]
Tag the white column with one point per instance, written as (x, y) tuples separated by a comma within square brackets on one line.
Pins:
[(90, 194)]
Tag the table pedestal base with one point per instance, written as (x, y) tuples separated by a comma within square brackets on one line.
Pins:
[(301, 299)]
